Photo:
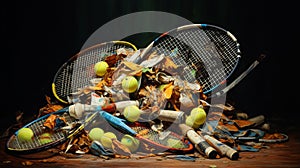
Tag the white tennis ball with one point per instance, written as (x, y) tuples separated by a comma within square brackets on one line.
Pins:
[(25, 134), (132, 113), (199, 115), (130, 84), (95, 134), (106, 139), (131, 142), (100, 68)]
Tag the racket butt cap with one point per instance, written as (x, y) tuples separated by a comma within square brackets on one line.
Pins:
[(206, 150), (211, 153), (234, 155)]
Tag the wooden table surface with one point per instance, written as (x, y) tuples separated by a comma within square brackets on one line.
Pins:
[(276, 155)]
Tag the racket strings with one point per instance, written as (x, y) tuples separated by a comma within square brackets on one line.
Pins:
[(226, 47), (212, 49), (195, 40), (63, 79), (208, 54), (83, 70), (79, 70), (185, 55), (179, 52)]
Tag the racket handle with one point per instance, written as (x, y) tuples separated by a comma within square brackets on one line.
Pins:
[(171, 116), (239, 78), (76, 110), (258, 120), (200, 143), (119, 106), (222, 149)]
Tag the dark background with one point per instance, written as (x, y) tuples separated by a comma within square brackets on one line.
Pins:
[(37, 37)]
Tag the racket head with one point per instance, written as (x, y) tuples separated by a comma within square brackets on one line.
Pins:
[(79, 69), (167, 140), (208, 53), (16, 146)]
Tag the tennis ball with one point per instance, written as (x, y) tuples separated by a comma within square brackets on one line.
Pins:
[(45, 138), (199, 115), (131, 142), (132, 113), (191, 122), (106, 139), (130, 84), (175, 143), (96, 134), (100, 68), (25, 134)]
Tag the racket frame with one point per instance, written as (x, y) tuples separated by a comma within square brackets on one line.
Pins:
[(13, 138), (155, 43), (64, 135)]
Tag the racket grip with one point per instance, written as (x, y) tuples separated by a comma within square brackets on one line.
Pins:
[(222, 149), (200, 143), (119, 106), (171, 116), (76, 110)]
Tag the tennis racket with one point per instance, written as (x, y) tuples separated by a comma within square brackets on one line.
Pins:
[(163, 141), (208, 53), (54, 138), (276, 138), (266, 138), (78, 70)]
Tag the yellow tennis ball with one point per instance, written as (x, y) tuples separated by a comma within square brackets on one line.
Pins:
[(96, 134), (106, 139), (130, 84), (132, 113), (175, 143), (45, 138), (199, 115), (131, 142), (190, 121), (25, 134), (100, 68)]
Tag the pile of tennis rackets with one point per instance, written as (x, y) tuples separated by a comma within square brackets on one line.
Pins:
[(199, 58)]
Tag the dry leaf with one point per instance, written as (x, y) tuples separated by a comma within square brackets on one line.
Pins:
[(50, 122), (168, 91), (120, 148), (132, 66), (112, 60), (243, 123)]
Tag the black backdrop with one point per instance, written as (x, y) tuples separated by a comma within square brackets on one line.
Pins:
[(39, 36)]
